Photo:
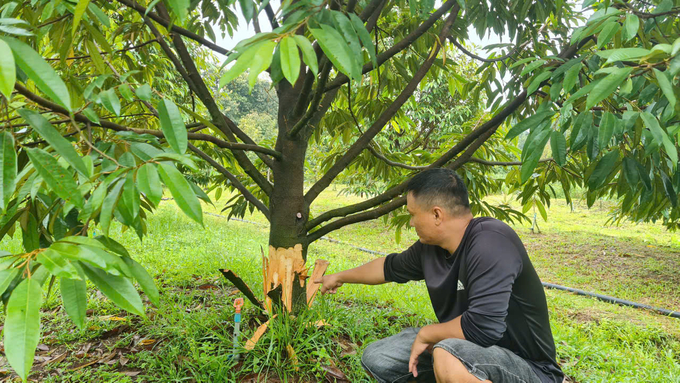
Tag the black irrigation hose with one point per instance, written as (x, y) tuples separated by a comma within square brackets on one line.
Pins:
[(603, 298), (608, 299)]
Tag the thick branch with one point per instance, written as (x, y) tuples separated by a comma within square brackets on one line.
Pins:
[(173, 28), (403, 44), (384, 118), (157, 133), (365, 216), (234, 181)]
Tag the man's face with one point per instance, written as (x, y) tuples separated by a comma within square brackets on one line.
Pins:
[(423, 220)]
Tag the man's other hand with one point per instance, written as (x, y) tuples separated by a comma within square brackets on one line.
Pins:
[(330, 283)]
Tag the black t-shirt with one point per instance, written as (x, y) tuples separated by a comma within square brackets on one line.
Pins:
[(491, 282)]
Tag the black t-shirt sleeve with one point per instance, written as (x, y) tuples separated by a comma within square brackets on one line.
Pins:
[(493, 264), (405, 266)]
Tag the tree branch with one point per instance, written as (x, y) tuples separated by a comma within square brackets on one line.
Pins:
[(474, 56), (106, 53), (394, 191), (365, 216), (173, 28), (234, 181), (382, 120), (157, 133), (313, 107), (402, 44), (221, 121)]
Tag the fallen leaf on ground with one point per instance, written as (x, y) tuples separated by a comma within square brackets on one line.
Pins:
[(334, 374), (131, 373), (147, 342)]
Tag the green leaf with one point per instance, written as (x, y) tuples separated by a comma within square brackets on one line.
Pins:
[(125, 91), (173, 126), (607, 33), (8, 168), (94, 202), (96, 57), (670, 190), (128, 205), (523, 61), (335, 48), (180, 8), (261, 61), (55, 139), (145, 280), (57, 264), (248, 9), (532, 66), (99, 14), (22, 326), (91, 115), (6, 277), (119, 289), (78, 15), (290, 59), (242, 63), (110, 101), (660, 136), (108, 206), (74, 296), (59, 179), (344, 26), (181, 191), (603, 168), (365, 37), (607, 86), (308, 54), (630, 171), (144, 92), (631, 25), (623, 54), (571, 77), (38, 70), (149, 183), (8, 75), (558, 144), (528, 123), (606, 131), (536, 82), (666, 87)]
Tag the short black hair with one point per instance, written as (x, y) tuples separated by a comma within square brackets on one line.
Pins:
[(442, 187)]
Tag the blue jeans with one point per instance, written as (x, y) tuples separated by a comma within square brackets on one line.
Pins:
[(387, 360)]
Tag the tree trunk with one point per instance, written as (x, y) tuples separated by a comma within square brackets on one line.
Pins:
[(288, 209)]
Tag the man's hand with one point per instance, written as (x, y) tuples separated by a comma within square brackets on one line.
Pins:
[(418, 347), (330, 283)]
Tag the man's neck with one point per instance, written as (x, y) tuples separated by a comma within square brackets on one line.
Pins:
[(456, 231)]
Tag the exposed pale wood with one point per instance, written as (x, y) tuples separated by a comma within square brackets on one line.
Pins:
[(320, 267), (250, 344), (288, 284)]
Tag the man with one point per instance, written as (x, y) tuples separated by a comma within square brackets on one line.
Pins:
[(493, 317)]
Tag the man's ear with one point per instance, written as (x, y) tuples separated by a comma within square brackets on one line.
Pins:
[(438, 215)]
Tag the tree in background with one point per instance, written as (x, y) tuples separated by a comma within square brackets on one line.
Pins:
[(103, 101)]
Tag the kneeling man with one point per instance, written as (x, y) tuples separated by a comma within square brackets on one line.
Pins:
[(493, 317)]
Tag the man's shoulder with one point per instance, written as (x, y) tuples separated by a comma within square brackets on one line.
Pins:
[(488, 226)]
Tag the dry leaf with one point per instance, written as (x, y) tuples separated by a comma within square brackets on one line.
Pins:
[(334, 374), (131, 373), (147, 342)]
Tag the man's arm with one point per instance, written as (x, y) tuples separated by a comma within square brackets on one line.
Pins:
[(371, 273)]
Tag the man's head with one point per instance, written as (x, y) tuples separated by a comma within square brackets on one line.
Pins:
[(437, 200)]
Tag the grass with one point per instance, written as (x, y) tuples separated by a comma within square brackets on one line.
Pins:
[(188, 337)]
